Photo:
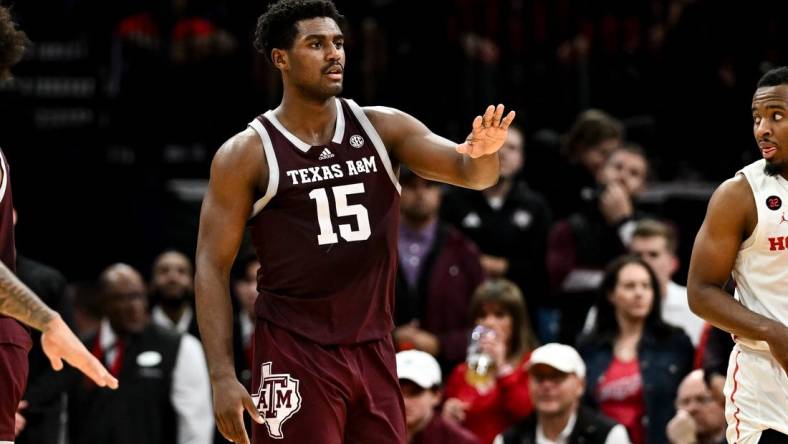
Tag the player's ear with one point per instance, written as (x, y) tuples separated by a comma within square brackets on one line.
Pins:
[(279, 58)]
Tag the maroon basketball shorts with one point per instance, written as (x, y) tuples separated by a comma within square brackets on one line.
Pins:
[(310, 393), (13, 377)]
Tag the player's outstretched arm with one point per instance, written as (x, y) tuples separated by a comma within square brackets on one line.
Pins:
[(471, 164), (19, 302), (731, 215), (58, 341), (236, 171)]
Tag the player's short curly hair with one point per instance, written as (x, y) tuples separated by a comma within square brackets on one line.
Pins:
[(276, 28), (774, 77), (13, 43)]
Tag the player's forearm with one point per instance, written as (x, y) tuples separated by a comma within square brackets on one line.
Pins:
[(482, 172), (215, 317), (19, 302), (721, 310)]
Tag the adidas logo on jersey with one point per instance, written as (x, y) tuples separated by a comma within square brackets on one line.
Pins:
[(326, 154)]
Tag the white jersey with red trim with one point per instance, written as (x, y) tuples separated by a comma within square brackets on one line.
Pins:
[(761, 268), (756, 389)]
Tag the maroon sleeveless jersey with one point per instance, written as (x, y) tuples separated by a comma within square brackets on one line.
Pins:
[(10, 329), (325, 231)]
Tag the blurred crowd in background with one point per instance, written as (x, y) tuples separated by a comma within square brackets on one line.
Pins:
[(629, 114), (120, 105)]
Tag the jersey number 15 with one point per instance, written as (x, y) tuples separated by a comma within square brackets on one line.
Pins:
[(327, 234)]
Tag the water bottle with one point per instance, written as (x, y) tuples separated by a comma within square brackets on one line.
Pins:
[(480, 364)]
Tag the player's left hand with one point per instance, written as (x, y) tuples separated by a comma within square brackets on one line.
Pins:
[(488, 133)]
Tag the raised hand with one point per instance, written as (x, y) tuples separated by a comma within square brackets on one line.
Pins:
[(488, 133)]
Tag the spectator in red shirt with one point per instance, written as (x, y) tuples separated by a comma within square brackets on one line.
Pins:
[(420, 380), (488, 406), (635, 361)]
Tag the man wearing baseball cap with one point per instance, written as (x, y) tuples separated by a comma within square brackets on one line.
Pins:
[(420, 380), (557, 382)]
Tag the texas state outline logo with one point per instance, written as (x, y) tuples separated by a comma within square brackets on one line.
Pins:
[(277, 399)]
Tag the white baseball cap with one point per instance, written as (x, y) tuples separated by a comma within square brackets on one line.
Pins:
[(560, 357), (419, 367)]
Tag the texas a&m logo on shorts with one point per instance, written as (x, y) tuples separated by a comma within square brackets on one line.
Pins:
[(277, 399)]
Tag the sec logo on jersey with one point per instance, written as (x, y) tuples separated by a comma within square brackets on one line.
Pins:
[(356, 141)]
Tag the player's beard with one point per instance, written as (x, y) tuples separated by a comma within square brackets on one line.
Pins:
[(772, 168)]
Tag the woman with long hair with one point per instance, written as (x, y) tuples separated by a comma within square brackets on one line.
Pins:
[(635, 361), (488, 401)]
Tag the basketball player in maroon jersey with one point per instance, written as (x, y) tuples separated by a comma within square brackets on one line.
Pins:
[(316, 179), (17, 302)]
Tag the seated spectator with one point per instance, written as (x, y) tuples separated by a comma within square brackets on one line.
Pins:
[(489, 405), (509, 222), (635, 360), (164, 392), (592, 138), (579, 247), (420, 381), (699, 419), (655, 242), (172, 293), (557, 383), (438, 271)]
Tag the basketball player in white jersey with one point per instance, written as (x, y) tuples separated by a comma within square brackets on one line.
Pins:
[(744, 234)]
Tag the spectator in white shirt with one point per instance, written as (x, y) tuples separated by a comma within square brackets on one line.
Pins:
[(172, 292), (656, 243)]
